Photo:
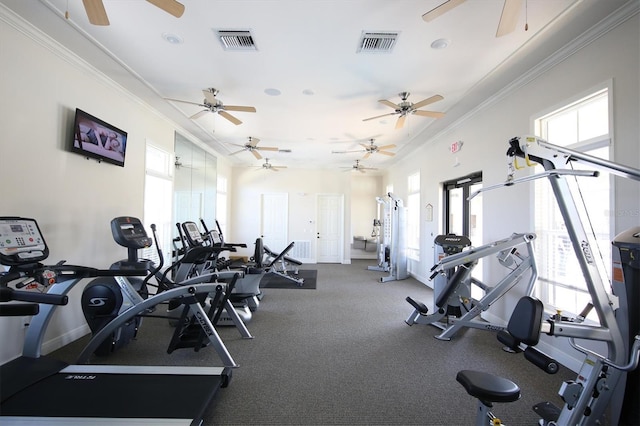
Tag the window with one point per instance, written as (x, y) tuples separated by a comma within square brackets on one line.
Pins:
[(221, 204), (583, 126), (158, 195), (413, 216)]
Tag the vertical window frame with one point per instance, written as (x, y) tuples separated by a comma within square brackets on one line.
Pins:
[(548, 292)]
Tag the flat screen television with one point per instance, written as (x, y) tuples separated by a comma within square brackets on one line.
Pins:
[(97, 139)]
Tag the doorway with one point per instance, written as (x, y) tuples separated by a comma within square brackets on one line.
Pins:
[(330, 228)]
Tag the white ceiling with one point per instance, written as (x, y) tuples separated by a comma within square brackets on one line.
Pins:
[(307, 50)]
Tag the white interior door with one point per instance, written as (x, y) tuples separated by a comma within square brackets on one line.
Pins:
[(274, 220), (330, 229)]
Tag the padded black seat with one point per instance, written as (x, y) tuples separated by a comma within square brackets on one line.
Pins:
[(488, 388)]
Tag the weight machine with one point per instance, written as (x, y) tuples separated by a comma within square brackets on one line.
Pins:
[(454, 308), (602, 382), (392, 245)]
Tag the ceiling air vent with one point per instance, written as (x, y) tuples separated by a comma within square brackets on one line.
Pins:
[(236, 39), (377, 42)]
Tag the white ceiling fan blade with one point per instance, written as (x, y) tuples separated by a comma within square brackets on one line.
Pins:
[(199, 114), (172, 7), (432, 114), (256, 154), (400, 121), (230, 117), (95, 12), (253, 141), (237, 152), (509, 17), (379, 116), (239, 108), (432, 99), (390, 154), (387, 147), (267, 148), (439, 10), (389, 104), (366, 155)]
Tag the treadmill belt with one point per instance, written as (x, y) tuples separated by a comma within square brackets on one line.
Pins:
[(108, 395)]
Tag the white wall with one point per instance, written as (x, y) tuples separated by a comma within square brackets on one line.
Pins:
[(302, 186), (485, 135)]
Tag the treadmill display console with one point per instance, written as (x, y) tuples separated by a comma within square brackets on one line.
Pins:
[(21, 241)]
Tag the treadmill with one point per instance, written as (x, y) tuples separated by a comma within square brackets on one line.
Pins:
[(36, 390)]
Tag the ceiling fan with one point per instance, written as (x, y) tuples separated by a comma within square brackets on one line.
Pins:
[(508, 19), (405, 108), (359, 167), (98, 15), (252, 147), (179, 164), (268, 166), (372, 148), (212, 104)]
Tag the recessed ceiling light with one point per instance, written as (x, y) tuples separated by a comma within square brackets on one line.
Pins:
[(172, 38), (272, 92), (441, 43)]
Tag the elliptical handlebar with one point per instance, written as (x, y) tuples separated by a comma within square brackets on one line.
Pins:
[(8, 294)]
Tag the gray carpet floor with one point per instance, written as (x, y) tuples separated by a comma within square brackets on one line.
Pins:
[(343, 355)]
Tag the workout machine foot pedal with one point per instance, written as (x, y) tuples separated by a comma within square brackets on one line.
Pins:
[(547, 411), (419, 306)]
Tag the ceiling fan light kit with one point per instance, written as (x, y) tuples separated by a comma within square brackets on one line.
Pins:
[(405, 108), (253, 148), (214, 105), (268, 166), (372, 148), (358, 167)]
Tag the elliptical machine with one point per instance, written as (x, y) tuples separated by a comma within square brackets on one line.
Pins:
[(105, 298)]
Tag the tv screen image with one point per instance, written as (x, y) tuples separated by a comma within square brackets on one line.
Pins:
[(97, 139)]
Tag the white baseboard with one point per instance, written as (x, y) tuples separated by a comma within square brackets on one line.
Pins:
[(64, 339)]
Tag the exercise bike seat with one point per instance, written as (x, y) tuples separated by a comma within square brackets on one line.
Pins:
[(488, 388)]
